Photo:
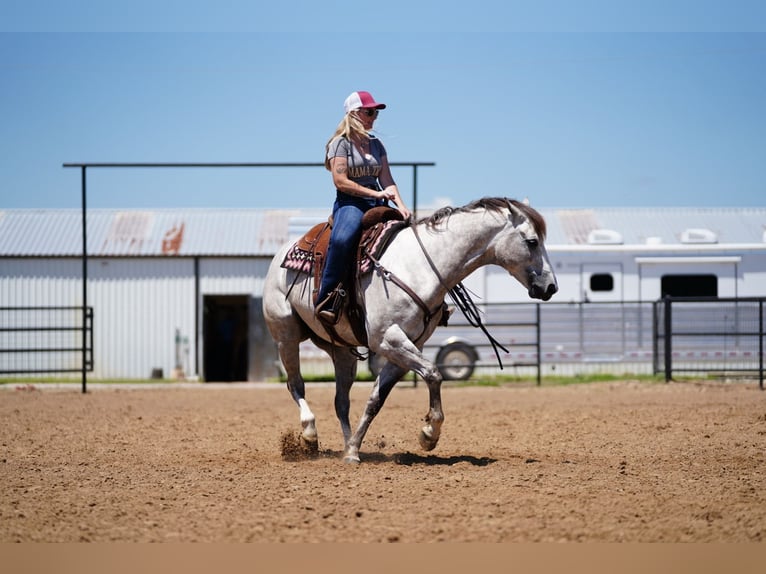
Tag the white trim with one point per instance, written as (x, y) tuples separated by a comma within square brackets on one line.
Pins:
[(667, 247), (676, 260)]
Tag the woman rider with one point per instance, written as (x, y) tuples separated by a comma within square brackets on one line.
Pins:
[(362, 179)]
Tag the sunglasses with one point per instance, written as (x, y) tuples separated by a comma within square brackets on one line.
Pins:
[(370, 112)]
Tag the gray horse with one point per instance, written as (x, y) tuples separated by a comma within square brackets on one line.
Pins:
[(404, 298)]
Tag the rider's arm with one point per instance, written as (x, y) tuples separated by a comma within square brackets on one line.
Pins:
[(389, 186), (339, 169)]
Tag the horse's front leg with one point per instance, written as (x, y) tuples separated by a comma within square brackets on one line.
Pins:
[(405, 350), (402, 356), (429, 434), (389, 375)]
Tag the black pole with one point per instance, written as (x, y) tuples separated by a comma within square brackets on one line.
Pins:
[(655, 338), (197, 302), (415, 191), (668, 323), (84, 285), (760, 343), (539, 359)]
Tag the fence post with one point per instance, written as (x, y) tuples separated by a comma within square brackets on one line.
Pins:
[(760, 344), (655, 337), (668, 324), (84, 373), (539, 350)]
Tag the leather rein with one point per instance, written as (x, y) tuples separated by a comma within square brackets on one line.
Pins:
[(459, 295), (389, 276)]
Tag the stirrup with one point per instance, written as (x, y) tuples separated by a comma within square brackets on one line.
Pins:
[(328, 310)]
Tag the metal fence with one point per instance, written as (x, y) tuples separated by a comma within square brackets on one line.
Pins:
[(716, 336), (555, 338), (40, 340), (720, 336)]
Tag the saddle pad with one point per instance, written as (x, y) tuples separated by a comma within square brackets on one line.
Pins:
[(376, 242), (304, 252)]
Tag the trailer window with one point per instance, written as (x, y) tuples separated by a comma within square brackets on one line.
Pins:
[(601, 282), (689, 285)]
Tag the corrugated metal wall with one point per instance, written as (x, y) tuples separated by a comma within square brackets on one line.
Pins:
[(28, 282), (32, 283), (235, 276), (140, 304)]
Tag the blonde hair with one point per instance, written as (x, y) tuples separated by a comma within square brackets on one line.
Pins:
[(350, 127)]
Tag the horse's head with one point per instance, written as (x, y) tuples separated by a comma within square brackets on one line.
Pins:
[(520, 249)]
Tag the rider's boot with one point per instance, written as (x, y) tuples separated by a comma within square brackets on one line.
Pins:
[(328, 310)]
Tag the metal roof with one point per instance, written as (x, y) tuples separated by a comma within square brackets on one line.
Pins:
[(183, 232), (259, 232)]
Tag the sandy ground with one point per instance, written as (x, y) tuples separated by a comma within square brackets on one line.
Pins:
[(605, 462)]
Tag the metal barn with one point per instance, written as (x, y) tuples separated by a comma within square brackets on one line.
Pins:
[(177, 293)]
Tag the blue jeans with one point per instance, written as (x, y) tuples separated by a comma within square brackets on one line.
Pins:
[(347, 215)]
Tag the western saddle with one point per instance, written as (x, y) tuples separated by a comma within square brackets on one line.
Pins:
[(307, 256)]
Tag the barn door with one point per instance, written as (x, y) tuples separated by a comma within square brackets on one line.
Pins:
[(225, 330)]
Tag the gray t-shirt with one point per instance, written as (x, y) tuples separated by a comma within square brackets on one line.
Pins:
[(362, 169)]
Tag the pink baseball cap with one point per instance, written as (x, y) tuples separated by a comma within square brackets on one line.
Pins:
[(361, 100)]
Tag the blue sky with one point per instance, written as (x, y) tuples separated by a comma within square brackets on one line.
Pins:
[(652, 104)]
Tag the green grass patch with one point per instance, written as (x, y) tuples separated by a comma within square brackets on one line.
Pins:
[(69, 381), (551, 381)]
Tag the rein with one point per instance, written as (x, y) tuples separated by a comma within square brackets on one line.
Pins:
[(389, 276), (462, 299), (459, 295)]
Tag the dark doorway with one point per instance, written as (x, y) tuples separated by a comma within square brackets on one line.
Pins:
[(689, 285), (225, 329)]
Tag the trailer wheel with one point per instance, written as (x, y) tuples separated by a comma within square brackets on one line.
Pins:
[(456, 361)]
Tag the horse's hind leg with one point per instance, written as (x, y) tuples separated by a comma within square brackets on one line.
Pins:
[(345, 373), (289, 353), (345, 363)]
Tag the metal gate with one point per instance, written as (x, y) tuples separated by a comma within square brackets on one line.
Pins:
[(709, 335), (35, 340)]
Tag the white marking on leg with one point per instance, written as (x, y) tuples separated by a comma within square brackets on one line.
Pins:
[(308, 420)]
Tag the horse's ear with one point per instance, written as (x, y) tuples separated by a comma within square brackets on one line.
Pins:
[(516, 215), (525, 201)]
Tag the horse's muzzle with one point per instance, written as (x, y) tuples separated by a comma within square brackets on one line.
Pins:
[(540, 288)]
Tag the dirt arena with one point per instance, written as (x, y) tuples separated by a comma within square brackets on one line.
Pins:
[(603, 462)]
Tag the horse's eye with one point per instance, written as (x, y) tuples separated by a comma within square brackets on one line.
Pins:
[(531, 243)]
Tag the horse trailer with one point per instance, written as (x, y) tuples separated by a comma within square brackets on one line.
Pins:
[(608, 279)]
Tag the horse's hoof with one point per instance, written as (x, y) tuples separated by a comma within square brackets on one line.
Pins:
[(350, 459), (310, 445), (427, 442)]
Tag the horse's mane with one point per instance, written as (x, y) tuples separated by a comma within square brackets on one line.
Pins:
[(492, 204)]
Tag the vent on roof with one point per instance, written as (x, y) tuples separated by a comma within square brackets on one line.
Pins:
[(654, 240), (698, 236), (604, 237)]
